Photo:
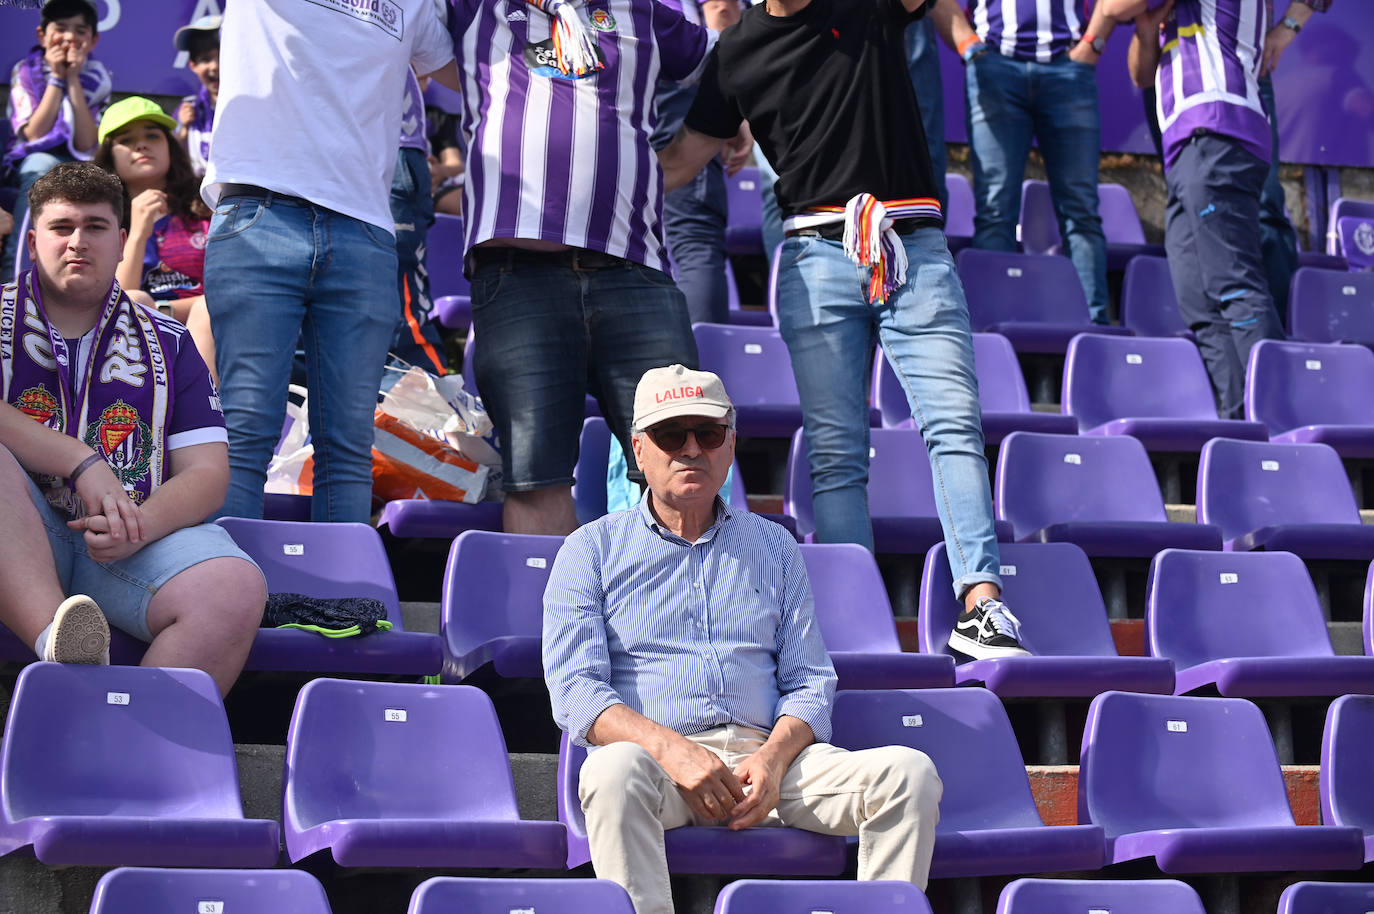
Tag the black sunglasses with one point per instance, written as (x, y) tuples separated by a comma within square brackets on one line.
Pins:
[(671, 438)]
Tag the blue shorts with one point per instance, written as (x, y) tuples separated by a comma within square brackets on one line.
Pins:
[(124, 588)]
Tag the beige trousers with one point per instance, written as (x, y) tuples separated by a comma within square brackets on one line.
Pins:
[(888, 796)]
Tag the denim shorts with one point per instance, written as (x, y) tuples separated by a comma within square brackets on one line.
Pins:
[(551, 328), (124, 588)]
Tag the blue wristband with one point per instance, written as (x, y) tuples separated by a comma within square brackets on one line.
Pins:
[(59, 83)]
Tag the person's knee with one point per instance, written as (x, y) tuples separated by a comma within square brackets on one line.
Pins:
[(624, 771), (909, 777), (230, 595)]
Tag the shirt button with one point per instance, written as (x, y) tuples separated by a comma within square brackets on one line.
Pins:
[(696, 585)]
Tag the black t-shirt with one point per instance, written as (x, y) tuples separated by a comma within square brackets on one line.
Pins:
[(828, 97)]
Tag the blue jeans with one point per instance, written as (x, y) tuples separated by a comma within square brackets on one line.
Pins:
[(829, 326), (278, 269), (772, 213), (549, 332), (1278, 240), (32, 167), (694, 219), (1011, 101), (416, 340), (923, 62), (1211, 235)]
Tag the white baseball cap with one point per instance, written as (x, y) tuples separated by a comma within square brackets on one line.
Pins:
[(676, 390)]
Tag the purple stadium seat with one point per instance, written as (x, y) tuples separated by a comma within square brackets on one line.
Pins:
[(857, 624), (1285, 497), (1120, 223), (1035, 300), (397, 774), (757, 371), (488, 895), (1329, 306), (1098, 492), (771, 851), (901, 493), (750, 896), (1099, 896), (124, 766), (959, 213), (492, 615), (1369, 612), (1327, 898), (1313, 393), (1051, 589), (1002, 393), (1341, 208), (1155, 390), (330, 561), (1148, 303), (1247, 624), (989, 824), (1356, 234), (744, 223), (1347, 748), (749, 317), (1195, 783), (145, 890), (448, 286)]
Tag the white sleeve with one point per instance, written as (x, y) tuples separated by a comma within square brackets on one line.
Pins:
[(432, 47)]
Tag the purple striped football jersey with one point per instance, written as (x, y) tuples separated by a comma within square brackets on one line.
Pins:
[(1030, 29)]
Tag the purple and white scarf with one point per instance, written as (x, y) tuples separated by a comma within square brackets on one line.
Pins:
[(200, 130), (118, 402)]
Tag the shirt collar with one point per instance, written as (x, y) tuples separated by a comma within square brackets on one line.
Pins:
[(723, 514)]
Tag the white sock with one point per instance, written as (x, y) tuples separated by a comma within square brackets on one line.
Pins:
[(40, 647)]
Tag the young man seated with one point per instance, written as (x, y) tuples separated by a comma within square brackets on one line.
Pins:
[(112, 443)]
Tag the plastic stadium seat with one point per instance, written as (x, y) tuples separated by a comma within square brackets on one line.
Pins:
[(1347, 747), (1286, 497), (330, 561), (750, 896), (1327, 306), (1120, 223), (1195, 783), (1341, 208), (1369, 612), (901, 493), (1356, 234), (1313, 393), (1053, 592), (492, 616), (749, 317), (1098, 896), (1035, 300), (144, 890), (385, 774), (124, 766), (856, 622), (1327, 898), (1247, 624), (989, 824), (1148, 303), (444, 246), (771, 851), (1098, 492), (1002, 393), (488, 895), (757, 371), (1155, 390), (959, 213), (744, 223)]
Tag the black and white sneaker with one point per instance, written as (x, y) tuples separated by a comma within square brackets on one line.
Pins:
[(988, 630)]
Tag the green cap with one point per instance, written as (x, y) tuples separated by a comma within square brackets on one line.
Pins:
[(134, 108)]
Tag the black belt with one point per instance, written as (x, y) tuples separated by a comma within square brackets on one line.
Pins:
[(571, 258), (253, 190), (835, 231)]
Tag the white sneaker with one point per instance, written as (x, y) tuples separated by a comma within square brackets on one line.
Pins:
[(988, 630), (79, 633)]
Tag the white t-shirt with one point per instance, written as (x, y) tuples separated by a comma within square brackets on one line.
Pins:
[(308, 100)]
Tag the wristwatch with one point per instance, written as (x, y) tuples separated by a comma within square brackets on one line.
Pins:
[(1098, 43), (1291, 23)]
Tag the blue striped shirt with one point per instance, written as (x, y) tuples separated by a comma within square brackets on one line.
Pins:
[(1030, 29), (691, 635)]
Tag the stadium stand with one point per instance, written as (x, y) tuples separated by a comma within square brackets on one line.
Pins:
[(1195, 784), (988, 824), (405, 775), (1039, 228), (746, 896), (1347, 742), (744, 229), (148, 890), (124, 766), (1356, 239), (959, 214), (756, 369), (1148, 304), (1063, 623), (1306, 393), (472, 895), (1323, 897), (1326, 306), (1344, 208), (447, 284), (1119, 896)]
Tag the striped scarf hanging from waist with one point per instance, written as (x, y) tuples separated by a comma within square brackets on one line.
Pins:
[(869, 239)]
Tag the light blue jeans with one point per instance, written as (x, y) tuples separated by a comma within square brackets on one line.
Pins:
[(1011, 101), (278, 269), (829, 326)]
